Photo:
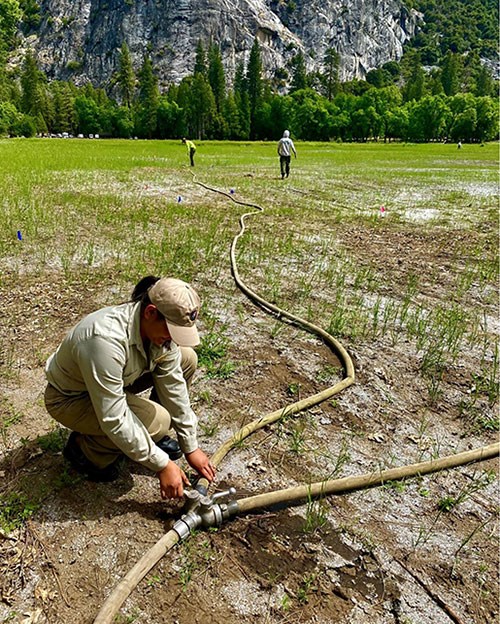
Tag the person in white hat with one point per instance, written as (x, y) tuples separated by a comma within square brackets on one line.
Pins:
[(285, 149), (110, 356)]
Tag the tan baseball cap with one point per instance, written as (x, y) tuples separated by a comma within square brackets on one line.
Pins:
[(180, 305)]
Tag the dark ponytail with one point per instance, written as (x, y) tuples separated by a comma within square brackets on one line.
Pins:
[(140, 292)]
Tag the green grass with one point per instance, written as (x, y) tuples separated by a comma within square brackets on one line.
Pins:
[(15, 509), (54, 441), (95, 216)]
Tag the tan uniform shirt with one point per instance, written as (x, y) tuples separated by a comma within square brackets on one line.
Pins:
[(102, 355)]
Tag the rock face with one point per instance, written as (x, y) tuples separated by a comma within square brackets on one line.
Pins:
[(81, 39)]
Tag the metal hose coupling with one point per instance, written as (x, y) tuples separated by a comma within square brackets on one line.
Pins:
[(204, 511)]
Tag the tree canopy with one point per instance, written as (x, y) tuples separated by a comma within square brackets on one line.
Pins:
[(440, 90)]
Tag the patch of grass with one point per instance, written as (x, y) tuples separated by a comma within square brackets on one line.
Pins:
[(127, 619), (307, 587), (8, 366), (205, 396), (67, 479), (316, 515), (153, 581), (397, 486), (212, 352), (15, 509), (285, 603), (213, 346), (479, 406), (54, 441), (340, 460), (220, 370), (478, 421), (293, 390), (297, 439), (196, 555), (447, 503), (327, 373), (486, 382), (209, 428)]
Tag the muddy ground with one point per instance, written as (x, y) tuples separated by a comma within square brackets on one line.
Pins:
[(388, 555)]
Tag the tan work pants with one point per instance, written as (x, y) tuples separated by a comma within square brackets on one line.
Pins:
[(77, 414)]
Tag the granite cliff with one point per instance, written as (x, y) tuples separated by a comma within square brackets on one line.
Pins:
[(81, 39)]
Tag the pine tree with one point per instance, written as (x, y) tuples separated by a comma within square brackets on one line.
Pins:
[(45, 117), (64, 111), (330, 76), (240, 82), (126, 76), (450, 71), (216, 76), (242, 102), (148, 100), (299, 73), (202, 106), (200, 62), (254, 83), (233, 130), (414, 87), (31, 79), (483, 82)]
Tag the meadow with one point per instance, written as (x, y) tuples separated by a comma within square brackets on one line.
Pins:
[(391, 247)]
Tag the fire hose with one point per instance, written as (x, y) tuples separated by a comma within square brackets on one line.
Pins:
[(202, 510)]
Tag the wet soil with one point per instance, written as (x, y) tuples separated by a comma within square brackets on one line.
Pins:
[(388, 555)]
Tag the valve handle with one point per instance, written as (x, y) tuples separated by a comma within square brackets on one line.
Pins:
[(230, 492)]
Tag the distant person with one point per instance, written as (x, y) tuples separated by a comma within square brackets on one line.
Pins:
[(191, 149), (459, 145), (104, 362), (285, 148)]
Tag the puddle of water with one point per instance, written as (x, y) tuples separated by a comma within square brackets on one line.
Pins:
[(421, 214)]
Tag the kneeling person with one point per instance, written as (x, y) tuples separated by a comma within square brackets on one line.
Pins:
[(106, 360)]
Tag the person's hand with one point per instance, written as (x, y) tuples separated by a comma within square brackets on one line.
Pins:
[(200, 462), (172, 481)]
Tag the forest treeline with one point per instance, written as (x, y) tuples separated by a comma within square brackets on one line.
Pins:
[(460, 26), (456, 100)]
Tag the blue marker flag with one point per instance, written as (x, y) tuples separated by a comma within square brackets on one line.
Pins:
[(19, 235)]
